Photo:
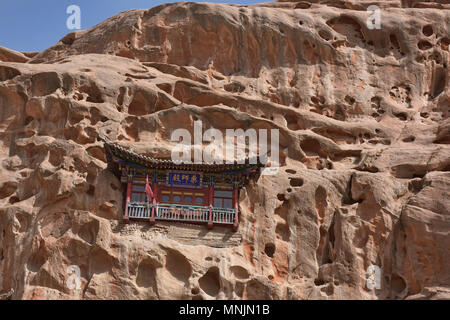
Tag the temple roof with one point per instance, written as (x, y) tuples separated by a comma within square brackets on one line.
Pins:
[(117, 154)]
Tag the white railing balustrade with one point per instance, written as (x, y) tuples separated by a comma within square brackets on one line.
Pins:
[(182, 213), (223, 216), (175, 212), (137, 210)]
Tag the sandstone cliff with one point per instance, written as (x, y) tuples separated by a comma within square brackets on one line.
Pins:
[(364, 140)]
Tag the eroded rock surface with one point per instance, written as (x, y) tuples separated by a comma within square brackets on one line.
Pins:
[(364, 141)]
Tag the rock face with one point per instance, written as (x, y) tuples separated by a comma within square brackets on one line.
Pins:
[(364, 145)]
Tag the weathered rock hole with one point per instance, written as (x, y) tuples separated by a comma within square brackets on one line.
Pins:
[(402, 116), (210, 282), (93, 93), (77, 96), (69, 39), (311, 147), (424, 45), (97, 153), (120, 97), (146, 274), (234, 87), (281, 197), (436, 56), (166, 87), (14, 200), (178, 266), (43, 84), (282, 230), (37, 258), (7, 189), (296, 182), (195, 291), (427, 30), (348, 27), (398, 284), (376, 101), (55, 158), (290, 171), (349, 100), (291, 121), (328, 290), (302, 5), (8, 73), (319, 282), (100, 261), (438, 84), (28, 120), (325, 35), (415, 185), (318, 100), (420, 58), (409, 139), (239, 272), (331, 236), (89, 231), (139, 106), (445, 43), (269, 249)]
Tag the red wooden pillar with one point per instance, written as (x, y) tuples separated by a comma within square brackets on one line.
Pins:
[(236, 207), (211, 197), (126, 219), (155, 203)]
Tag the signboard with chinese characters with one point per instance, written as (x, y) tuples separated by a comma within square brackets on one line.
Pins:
[(184, 179)]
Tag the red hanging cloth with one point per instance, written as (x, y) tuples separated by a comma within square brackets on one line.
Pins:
[(148, 190)]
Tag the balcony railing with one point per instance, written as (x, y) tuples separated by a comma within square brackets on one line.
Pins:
[(138, 210), (185, 213)]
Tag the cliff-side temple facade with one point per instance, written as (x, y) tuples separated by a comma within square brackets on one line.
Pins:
[(161, 190)]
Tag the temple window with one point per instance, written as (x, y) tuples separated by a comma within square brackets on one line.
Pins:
[(223, 199), (138, 193), (168, 195)]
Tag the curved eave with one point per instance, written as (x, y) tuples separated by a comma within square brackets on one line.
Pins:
[(118, 155)]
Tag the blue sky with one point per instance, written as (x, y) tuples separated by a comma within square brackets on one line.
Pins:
[(34, 25)]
